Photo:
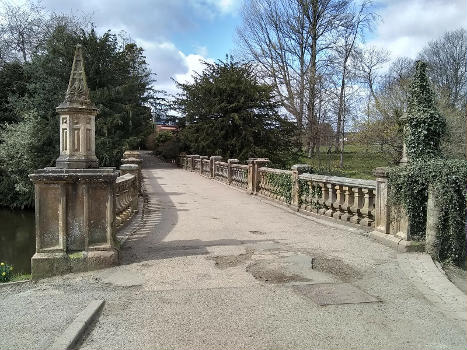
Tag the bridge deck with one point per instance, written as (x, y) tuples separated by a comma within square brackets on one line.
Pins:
[(215, 268)]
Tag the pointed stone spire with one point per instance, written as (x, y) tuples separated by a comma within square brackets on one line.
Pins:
[(77, 94), (77, 121)]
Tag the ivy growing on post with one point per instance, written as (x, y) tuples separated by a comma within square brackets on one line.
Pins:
[(429, 169), (425, 125)]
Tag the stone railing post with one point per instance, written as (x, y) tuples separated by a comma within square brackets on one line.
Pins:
[(201, 164), (212, 164), (253, 175), (298, 169), (251, 187), (191, 161), (134, 170), (382, 210), (388, 219), (432, 218), (229, 169)]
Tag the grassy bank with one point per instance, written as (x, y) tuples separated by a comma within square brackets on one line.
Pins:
[(359, 162)]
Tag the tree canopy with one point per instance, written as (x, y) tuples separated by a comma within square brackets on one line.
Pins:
[(120, 85), (228, 112)]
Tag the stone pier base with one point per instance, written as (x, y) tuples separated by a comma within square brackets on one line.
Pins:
[(75, 211), (52, 264)]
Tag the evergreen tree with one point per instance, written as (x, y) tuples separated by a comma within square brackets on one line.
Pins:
[(425, 125), (120, 86), (228, 112)]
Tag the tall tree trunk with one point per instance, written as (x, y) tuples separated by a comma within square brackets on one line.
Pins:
[(313, 68), (340, 110)]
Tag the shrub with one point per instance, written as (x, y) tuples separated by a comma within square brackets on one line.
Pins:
[(6, 272)]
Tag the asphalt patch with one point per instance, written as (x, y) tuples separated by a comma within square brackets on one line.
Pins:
[(261, 272), (226, 261)]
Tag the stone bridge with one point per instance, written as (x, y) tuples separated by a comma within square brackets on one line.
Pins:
[(209, 266), (221, 255)]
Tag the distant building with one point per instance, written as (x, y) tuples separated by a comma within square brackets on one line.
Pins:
[(164, 127)]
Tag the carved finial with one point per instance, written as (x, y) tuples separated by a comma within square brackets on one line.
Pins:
[(77, 94)]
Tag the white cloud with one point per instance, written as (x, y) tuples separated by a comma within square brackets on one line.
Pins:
[(169, 63), (407, 26)]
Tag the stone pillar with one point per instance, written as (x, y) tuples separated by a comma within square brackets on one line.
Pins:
[(298, 169), (382, 210), (212, 164), (253, 173), (405, 159), (388, 219), (191, 161), (229, 169), (74, 202), (432, 219), (201, 163), (133, 169)]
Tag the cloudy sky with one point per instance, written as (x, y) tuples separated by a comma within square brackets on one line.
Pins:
[(177, 34)]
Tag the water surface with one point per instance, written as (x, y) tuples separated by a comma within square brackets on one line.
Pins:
[(17, 239)]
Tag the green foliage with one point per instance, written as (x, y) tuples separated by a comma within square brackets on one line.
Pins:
[(18, 157), (120, 85), (448, 179), (425, 125), (167, 145), (227, 112), (306, 198), (281, 185), (6, 272), (12, 86)]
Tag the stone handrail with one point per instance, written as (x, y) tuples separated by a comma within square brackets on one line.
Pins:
[(221, 171), (239, 175), (275, 184), (126, 198), (338, 197)]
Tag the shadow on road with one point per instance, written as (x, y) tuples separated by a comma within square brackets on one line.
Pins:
[(160, 218)]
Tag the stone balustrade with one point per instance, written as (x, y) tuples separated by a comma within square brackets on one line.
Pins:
[(275, 184), (360, 202), (126, 198), (342, 198), (221, 172), (239, 175)]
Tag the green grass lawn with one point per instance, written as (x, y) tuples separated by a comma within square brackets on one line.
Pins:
[(359, 162)]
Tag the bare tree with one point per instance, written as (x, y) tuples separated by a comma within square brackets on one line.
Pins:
[(447, 62), (289, 40), (357, 20), (21, 27)]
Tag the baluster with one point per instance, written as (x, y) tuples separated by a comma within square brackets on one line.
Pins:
[(323, 199), (368, 204), (309, 196), (357, 205), (330, 200), (347, 205), (338, 202)]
